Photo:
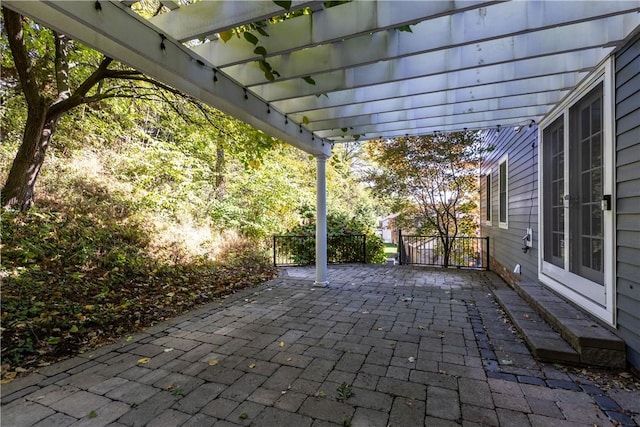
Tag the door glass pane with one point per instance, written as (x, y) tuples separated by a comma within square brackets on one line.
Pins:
[(596, 250), (586, 155), (596, 220), (553, 193), (585, 187), (585, 122), (596, 150), (586, 253), (596, 116)]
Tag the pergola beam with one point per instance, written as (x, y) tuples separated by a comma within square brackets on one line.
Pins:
[(209, 17), (479, 61), (458, 120), (440, 99), (337, 86), (331, 25), (438, 24), (327, 108), (491, 105), (380, 53)]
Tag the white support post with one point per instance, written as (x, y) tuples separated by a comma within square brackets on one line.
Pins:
[(321, 222)]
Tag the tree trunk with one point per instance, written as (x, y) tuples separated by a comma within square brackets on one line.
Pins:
[(19, 188)]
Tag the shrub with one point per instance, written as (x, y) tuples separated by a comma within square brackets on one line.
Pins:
[(338, 225)]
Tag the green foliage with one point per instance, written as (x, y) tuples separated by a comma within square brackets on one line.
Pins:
[(133, 202), (344, 392), (405, 28), (433, 180), (285, 4), (338, 225), (251, 38), (260, 50), (78, 274)]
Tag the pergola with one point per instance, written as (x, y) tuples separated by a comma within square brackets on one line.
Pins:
[(358, 70)]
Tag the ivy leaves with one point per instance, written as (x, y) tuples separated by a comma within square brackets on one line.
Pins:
[(283, 4), (252, 39), (250, 34), (269, 73)]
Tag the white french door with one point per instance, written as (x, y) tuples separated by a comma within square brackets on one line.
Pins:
[(576, 211)]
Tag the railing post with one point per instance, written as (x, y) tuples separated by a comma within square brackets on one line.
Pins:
[(364, 248), (400, 247), (488, 257), (275, 264)]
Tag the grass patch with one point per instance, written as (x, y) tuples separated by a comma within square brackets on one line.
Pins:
[(390, 249)]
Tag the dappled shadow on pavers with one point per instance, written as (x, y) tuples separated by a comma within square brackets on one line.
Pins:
[(378, 346)]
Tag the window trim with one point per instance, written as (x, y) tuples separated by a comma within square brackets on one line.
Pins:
[(488, 199), (503, 160)]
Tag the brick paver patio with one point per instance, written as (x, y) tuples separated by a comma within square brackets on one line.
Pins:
[(380, 346)]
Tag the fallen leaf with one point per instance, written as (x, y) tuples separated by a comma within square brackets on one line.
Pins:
[(289, 359), (144, 360), (8, 378), (251, 366), (168, 350), (420, 327), (281, 344), (213, 362)]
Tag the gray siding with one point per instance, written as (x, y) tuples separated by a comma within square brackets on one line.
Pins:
[(506, 244), (523, 198), (627, 115)]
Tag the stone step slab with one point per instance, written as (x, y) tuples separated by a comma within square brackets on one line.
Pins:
[(544, 342)]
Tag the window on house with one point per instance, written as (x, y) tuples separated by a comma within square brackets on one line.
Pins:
[(503, 217), (487, 200)]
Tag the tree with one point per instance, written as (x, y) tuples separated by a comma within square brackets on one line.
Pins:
[(433, 180), (56, 75)]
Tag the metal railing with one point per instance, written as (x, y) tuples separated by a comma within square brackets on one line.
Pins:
[(459, 252), (301, 250)]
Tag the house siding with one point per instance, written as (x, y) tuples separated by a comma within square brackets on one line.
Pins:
[(506, 244), (522, 201), (627, 117)]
